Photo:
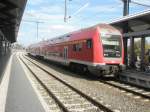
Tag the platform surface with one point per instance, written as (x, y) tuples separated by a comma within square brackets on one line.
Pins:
[(138, 78), (142, 75), (3, 63), (21, 97)]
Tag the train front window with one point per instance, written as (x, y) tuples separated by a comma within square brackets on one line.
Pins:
[(111, 46)]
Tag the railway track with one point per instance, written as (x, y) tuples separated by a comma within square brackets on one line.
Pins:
[(129, 89), (68, 98), (138, 92)]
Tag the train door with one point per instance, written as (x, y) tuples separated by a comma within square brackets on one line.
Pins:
[(65, 52)]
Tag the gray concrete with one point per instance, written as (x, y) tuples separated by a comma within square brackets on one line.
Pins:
[(21, 96), (3, 62), (138, 78)]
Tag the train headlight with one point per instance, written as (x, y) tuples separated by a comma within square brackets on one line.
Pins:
[(105, 54)]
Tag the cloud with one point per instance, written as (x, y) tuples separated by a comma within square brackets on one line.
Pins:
[(47, 31), (143, 1), (52, 9), (36, 2), (104, 8), (51, 12), (20, 34), (57, 29), (62, 27), (44, 14)]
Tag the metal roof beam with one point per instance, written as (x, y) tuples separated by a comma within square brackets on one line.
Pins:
[(8, 15), (144, 20), (5, 21), (137, 34), (8, 4), (11, 12)]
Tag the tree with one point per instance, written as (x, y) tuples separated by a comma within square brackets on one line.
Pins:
[(137, 49)]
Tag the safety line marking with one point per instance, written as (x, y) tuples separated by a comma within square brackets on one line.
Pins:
[(43, 103), (4, 85)]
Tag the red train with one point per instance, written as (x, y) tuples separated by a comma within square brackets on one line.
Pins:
[(98, 49)]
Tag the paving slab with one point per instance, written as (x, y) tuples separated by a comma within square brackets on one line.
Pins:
[(21, 97)]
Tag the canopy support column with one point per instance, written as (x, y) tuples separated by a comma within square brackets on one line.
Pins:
[(132, 54), (142, 53)]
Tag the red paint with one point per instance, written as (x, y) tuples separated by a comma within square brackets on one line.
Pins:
[(93, 55)]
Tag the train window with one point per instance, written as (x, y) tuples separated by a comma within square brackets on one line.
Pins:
[(89, 43), (112, 46), (77, 47), (74, 47)]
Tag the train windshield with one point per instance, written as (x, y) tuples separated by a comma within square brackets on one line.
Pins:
[(112, 46)]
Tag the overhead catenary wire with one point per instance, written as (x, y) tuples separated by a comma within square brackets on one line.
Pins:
[(137, 3), (37, 25), (127, 3), (78, 11)]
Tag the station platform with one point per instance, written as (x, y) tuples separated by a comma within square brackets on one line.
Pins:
[(137, 78), (16, 92), (3, 63)]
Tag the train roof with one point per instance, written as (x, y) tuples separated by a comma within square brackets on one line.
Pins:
[(67, 36), (72, 35)]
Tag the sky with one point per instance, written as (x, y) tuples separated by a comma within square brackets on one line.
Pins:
[(84, 13)]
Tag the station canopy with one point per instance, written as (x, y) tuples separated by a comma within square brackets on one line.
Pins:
[(135, 25), (11, 12)]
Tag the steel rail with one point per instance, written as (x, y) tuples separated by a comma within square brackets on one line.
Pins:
[(90, 99), (61, 105), (125, 89)]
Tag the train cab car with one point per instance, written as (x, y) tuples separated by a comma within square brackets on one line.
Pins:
[(98, 49)]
